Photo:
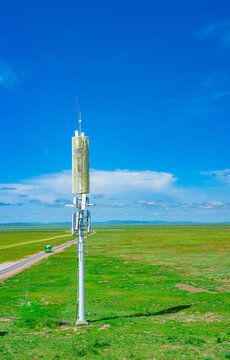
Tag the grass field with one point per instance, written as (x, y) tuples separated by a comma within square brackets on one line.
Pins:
[(152, 292)]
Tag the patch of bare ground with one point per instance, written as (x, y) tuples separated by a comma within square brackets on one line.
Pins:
[(37, 333), (137, 257), (172, 347), (226, 280), (62, 328), (111, 230), (4, 319), (192, 289), (224, 288), (211, 317), (156, 263), (105, 327), (183, 317)]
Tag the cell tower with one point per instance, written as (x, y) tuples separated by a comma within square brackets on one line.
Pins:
[(81, 215)]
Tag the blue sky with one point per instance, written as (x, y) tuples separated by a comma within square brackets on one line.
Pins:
[(153, 81)]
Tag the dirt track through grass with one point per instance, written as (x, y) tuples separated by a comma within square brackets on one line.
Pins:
[(17, 244), (2, 247)]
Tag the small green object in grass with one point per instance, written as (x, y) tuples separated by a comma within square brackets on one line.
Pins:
[(227, 355), (48, 248)]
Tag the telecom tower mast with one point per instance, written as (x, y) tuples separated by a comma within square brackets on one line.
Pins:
[(81, 216)]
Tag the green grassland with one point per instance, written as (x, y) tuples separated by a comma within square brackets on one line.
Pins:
[(152, 292)]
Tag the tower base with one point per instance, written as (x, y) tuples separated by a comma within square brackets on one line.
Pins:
[(84, 322)]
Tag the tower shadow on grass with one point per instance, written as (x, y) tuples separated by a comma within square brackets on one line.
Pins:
[(174, 309), (3, 333)]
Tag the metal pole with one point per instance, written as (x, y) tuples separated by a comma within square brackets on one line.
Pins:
[(81, 307), (77, 275)]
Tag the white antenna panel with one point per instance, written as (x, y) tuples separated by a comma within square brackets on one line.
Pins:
[(80, 164)]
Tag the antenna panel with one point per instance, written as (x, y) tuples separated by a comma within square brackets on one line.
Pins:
[(80, 164), (74, 223)]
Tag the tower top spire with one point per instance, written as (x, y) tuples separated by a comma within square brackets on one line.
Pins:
[(79, 116), (79, 123)]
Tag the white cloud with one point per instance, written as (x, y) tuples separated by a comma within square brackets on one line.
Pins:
[(210, 205), (119, 205), (221, 175), (210, 97), (119, 194), (151, 204), (178, 206), (113, 205), (122, 181), (8, 78), (48, 188), (219, 31), (216, 80)]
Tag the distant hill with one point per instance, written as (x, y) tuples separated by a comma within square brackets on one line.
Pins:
[(114, 222), (133, 222), (34, 224)]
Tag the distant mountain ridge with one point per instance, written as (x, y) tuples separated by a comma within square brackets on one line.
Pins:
[(114, 222)]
